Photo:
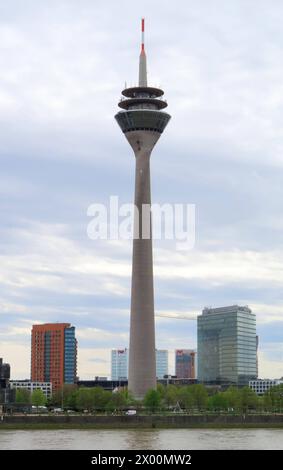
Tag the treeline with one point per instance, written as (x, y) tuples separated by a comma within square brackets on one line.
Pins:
[(192, 398)]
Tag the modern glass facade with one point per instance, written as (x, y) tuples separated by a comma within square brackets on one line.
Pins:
[(227, 345), (120, 363), (145, 119), (70, 356), (161, 363)]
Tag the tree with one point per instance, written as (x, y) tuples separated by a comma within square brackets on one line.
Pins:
[(117, 401), (267, 402), (152, 400), (248, 399), (70, 401), (171, 395), (56, 398), (200, 396), (23, 396), (67, 395), (64, 397), (218, 402), (276, 395), (38, 398), (185, 397), (100, 398), (233, 397), (85, 399), (130, 397), (161, 390)]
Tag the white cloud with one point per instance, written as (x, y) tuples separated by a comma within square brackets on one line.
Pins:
[(88, 368), (268, 367), (18, 356)]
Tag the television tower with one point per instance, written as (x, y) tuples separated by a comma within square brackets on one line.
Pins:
[(142, 122)]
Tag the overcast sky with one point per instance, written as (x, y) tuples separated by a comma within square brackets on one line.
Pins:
[(63, 65)]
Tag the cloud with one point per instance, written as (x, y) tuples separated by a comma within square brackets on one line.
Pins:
[(270, 366)]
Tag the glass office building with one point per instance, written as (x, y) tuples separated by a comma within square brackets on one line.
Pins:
[(161, 363), (227, 345), (120, 363), (70, 356)]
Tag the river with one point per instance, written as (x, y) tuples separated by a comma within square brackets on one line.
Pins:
[(163, 439)]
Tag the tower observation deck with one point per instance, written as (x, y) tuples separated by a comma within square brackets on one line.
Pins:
[(142, 104), (142, 121)]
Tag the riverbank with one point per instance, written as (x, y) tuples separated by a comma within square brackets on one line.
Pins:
[(140, 421)]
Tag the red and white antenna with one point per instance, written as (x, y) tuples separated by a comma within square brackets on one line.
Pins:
[(142, 35), (142, 67)]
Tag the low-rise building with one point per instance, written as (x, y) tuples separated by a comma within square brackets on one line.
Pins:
[(260, 386), (46, 387)]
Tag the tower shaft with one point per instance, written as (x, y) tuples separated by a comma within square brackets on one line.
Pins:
[(142, 367)]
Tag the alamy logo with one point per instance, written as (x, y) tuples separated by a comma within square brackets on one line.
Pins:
[(126, 221)]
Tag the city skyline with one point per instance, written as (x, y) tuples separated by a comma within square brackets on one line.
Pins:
[(61, 151)]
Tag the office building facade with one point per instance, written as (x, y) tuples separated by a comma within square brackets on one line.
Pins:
[(161, 363), (120, 364), (261, 386), (185, 364), (54, 354), (46, 387), (227, 345)]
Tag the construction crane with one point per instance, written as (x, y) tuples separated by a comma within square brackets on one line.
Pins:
[(176, 317)]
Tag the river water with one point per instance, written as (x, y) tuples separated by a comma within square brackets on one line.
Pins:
[(169, 439)]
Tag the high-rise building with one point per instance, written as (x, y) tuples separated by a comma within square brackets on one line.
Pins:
[(119, 364), (161, 363), (185, 365), (257, 343), (54, 354), (142, 123), (227, 345)]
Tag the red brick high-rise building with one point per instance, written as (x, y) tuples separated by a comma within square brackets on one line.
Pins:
[(54, 354)]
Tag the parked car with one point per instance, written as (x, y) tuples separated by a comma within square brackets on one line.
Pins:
[(58, 410), (39, 409), (131, 412)]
